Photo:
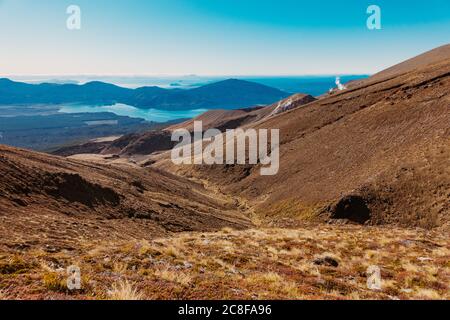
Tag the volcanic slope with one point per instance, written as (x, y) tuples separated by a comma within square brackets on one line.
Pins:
[(374, 154), (57, 201)]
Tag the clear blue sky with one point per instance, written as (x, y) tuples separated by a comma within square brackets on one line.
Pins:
[(216, 37)]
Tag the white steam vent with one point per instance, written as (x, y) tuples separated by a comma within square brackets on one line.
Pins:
[(339, 85)]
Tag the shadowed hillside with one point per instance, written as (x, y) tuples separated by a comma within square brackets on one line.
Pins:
[(59, 201)]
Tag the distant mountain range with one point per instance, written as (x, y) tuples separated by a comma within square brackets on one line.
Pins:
[(229, 93)]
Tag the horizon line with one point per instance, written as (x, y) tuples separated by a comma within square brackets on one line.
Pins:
[(184, 75)]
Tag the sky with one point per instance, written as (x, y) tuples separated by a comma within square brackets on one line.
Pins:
[(215, 37)]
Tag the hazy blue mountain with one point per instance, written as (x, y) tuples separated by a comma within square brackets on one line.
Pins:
[(230, 93)]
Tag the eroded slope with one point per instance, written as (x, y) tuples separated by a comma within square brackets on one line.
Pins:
[(58, 201)]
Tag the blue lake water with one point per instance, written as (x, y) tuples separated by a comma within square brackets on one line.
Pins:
[(154, 115)]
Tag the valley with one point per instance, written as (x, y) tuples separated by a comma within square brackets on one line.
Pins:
[(363, 184)]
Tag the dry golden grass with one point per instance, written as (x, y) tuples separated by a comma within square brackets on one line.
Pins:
[(269, 263), (55, 282), (124, 290), (174, 276), (428, 294)]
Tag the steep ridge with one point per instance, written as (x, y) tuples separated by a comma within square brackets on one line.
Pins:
[(423, 60), (141, 144), (292, 102), (231, 119), (225, 119), (377, 153), (428, 58), (48, 199)]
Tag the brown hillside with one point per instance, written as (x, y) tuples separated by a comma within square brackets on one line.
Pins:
[(378, 153), (58, 201), (91, 147), (140, 144), (232, 119), (423, 60), (292, 102), (225, 119)]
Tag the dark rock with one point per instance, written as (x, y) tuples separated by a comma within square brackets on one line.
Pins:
[(326, 261), (352, 208)]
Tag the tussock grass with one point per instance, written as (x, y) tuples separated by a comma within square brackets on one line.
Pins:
[(124, 290), (427, 294), (263, 263), (3, 295), (55, 282), (14, 265), (174, 276)]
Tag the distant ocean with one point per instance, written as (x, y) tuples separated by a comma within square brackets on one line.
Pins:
[(314, 85)]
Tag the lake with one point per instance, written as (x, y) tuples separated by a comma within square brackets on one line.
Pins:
[(154, 115)]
